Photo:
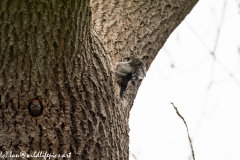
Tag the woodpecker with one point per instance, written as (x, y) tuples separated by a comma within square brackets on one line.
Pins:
[(130, 69), (35, 108)]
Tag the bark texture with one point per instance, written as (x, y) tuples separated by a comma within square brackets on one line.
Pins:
[(64, 53), (138, 27)]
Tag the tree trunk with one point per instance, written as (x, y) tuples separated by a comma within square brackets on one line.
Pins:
[(63, 53)]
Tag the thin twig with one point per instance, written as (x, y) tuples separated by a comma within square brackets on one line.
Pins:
[(198, 36), (133, 155), (219, 28), (187, 130)]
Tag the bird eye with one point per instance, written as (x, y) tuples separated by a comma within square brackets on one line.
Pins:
[(126, 59)]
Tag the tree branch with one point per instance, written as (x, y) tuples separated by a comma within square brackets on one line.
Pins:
[(187, 130)]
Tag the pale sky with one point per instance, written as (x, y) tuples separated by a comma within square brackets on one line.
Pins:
[(205, 90)]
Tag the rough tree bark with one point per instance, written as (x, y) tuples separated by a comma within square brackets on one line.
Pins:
[(64, 53)]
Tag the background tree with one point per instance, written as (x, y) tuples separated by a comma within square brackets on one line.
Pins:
[(64, 53)]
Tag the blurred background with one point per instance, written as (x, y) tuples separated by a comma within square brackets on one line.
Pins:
[(198, 70)]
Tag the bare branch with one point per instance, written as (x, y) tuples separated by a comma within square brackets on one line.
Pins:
[(133, 155), (219, 28), (187, 130), (213, 52)]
